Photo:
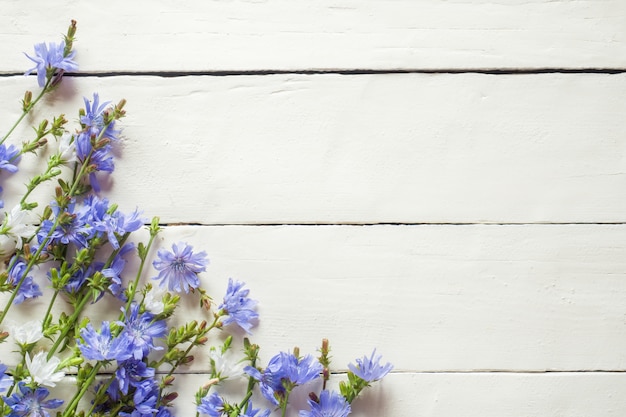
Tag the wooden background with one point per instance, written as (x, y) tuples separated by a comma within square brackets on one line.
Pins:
[(442, 180)]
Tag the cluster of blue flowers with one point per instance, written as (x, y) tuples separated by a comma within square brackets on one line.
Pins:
[(84, 245)]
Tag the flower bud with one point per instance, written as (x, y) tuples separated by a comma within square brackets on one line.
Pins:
[(168, 398), (168, 380)]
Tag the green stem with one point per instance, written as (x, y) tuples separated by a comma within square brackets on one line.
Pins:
[(49, 310), (28, 109), (66, 329), (80, 394), (283, 405), (29, 266), (101, 391), (138, 276), (244, 403)]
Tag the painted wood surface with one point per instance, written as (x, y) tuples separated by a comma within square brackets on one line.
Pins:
[(465, 394), (410, 148), (253, 35), (470, 225)]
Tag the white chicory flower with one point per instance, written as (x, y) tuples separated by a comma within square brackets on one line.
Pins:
[(154, 300), (26, 333), (42, 370), (224, 365), (67, 148), (16, 225)]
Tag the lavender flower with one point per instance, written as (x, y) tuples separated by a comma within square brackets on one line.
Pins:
[(9, 157), (282, 370), (369, 369), (238, 307), (331, 404), (50, 58), (179, 269), (31, 403), (141, 329), (212, 405), (102, 346)]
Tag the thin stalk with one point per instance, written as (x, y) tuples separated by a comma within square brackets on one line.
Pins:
[(80, 394), (28, 109), (34, 258), (67, 329), (139, 273)]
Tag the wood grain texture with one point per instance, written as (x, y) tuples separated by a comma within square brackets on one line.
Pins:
[(498, 288), (410, 148), (429, 298), (469, 395), (253, 35)]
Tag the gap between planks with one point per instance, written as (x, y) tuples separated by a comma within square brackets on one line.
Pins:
[(357, 224), (355, 71)]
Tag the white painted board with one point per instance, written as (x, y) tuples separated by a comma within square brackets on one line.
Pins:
[(409, 148), (288, 35)]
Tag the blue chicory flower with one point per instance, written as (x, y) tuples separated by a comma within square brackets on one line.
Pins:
[(179, 269), (163, 412), (73, 229), (141, 329), (331, 404), (114, 272), (80, 277), (28, 288), (31, 402), (370, 368), (284, 368), (9, 158), (252, 412), (238, 307), (5, 380), (93, 120), (101, 346), (130, 373), (50, 58), (144, 399), (104, 220), (212, 405)]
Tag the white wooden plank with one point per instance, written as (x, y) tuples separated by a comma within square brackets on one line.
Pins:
[(430, 298), (363, 149), (329, 34), (470, 395)]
